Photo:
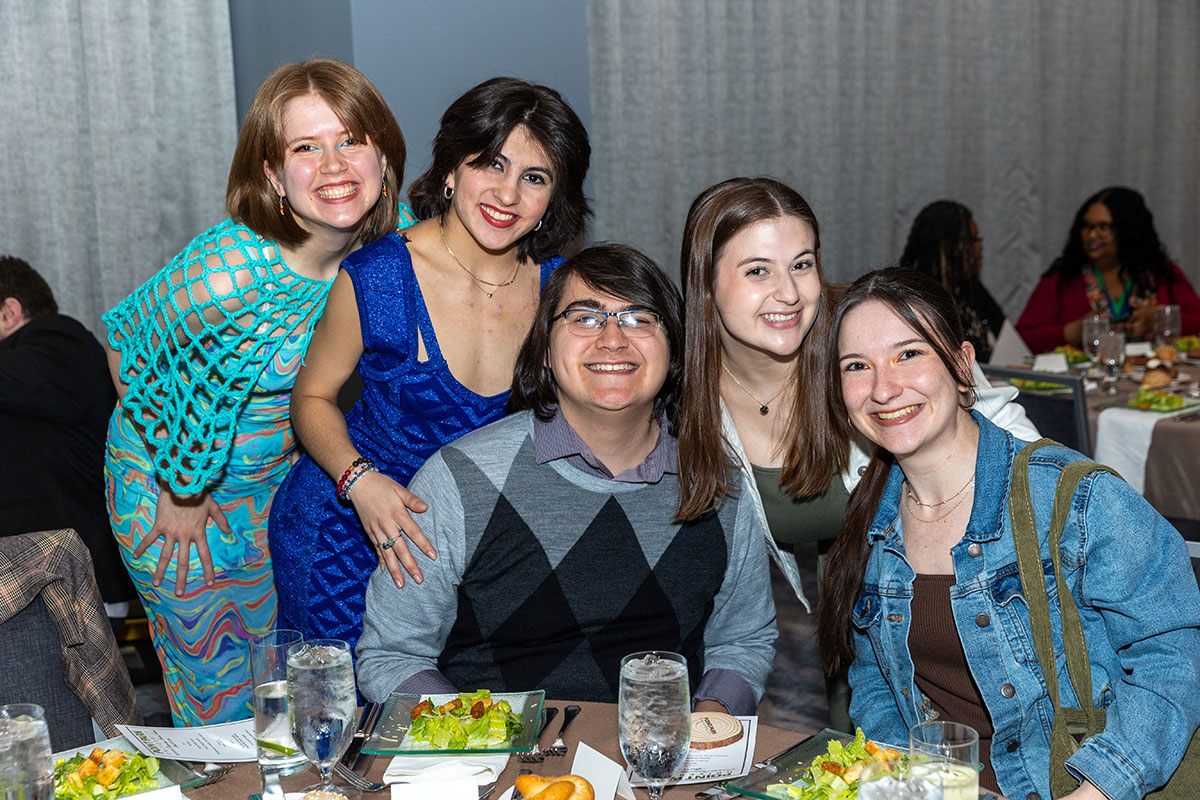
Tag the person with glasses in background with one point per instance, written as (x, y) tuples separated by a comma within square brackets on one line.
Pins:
[(558, 553), (1113, 264)]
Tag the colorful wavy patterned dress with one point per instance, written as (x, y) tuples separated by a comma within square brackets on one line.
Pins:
[(217, 392), (409, 409)]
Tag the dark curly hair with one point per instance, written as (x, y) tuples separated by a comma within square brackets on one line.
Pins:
[(618, 270), (474, 130), (1139, 250), (941, 245)]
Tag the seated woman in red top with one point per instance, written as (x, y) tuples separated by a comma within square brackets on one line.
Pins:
[(1113, 263)]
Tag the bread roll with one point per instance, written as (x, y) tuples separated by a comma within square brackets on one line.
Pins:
[(1156, 378), (549, 787)]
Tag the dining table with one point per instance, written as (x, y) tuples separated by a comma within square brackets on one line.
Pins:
[(596, 725), (1172, 472)]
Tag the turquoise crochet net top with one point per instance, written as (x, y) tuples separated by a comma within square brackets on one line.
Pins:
[(194, 340)]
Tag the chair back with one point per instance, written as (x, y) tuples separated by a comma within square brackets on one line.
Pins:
[(56, 641), (1060, 414)]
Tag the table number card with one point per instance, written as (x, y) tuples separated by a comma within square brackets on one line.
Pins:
[(716, 763)]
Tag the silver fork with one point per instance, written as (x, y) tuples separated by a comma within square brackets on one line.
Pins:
[(354, 779), (535, 755), (211, 772), (559, 748)]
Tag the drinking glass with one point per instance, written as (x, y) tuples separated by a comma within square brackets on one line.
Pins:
[(892, 780), (277, 750), (654, 718), (1166, 324), (1112, 358), (322, 704), (950, 751), (26, 772), (1094, 327)]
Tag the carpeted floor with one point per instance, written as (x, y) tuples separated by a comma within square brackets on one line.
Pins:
[(795, 696)]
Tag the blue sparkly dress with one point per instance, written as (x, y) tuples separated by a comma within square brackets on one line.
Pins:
[(409, 408)]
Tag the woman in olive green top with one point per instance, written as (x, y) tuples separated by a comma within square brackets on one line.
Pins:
[(754, 399)]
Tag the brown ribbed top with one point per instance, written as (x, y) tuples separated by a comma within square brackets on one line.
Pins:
[(940, 665)]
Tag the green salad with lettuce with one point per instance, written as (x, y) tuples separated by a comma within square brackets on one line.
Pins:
[(833, 775), (470, 721), (1155, 400), (104, 775)]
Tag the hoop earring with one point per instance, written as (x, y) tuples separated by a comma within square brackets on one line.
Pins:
[(538, 227), (970, 405), (281, 205), (447, 192)]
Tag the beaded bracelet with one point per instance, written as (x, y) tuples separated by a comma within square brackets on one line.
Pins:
[(356, 471), (356, 462)]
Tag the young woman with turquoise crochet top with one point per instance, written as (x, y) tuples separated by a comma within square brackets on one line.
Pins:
[(432, 319), (204, 355)]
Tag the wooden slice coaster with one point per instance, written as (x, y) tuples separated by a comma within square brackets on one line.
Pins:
[(713, 729)]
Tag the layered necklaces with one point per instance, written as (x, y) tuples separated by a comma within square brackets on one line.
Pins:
[(764, 406), (912, 499), (480, 282)]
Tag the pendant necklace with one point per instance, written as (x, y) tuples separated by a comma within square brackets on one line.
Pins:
[(763, 406), (480, 282)]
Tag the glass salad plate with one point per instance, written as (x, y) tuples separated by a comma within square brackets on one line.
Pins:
[(170, 773), (788, 767), (390, 737)]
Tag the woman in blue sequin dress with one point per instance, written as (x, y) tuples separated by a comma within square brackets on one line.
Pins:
[(433, 320)]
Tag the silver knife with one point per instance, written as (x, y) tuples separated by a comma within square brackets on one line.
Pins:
[(365, 725)]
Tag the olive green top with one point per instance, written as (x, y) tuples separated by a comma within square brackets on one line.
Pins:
[(800, 519)]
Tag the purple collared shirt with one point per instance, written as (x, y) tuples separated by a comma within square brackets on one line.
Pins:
[(556, 439)]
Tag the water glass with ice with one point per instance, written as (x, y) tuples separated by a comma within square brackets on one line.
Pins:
[(892, 780), (654, 718), (277, 749), (26, 772), (322, 704), (948, 751)]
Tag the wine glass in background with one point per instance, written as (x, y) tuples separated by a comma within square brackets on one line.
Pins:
[(1094, 327), (949, 751), (1111, 356), (1166, 325), (654, 719), (277, 749), (322, 704), (25, 768)]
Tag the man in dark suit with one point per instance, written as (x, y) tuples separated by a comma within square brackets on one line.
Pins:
[(55, 399)]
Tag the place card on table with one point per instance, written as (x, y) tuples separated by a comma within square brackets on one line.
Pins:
[(1139, 349), (227, 741), (717, 763), (1050, 362), (606, 776)]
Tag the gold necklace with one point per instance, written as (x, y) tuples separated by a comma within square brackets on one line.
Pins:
[(763, 407), (912, 499), (480, 282)]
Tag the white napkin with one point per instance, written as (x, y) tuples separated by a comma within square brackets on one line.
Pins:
[(1123, 440), (421, 769)]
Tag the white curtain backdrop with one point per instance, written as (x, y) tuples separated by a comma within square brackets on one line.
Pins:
[(119, 123), (1019, 109)]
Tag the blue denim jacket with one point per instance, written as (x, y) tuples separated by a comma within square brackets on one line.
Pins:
[(1129, 573)]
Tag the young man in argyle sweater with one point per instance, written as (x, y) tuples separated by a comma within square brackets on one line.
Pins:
[(557, 552)]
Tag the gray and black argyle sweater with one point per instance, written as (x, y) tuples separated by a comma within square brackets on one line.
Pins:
[(546, 576)]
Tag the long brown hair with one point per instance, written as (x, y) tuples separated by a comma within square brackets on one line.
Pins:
[(814, 455), (249, 196), (925, 305)]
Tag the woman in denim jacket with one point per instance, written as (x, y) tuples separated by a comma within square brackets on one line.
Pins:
[(921, 552)]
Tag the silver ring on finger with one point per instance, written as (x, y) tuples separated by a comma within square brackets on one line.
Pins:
[(388, 544)]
